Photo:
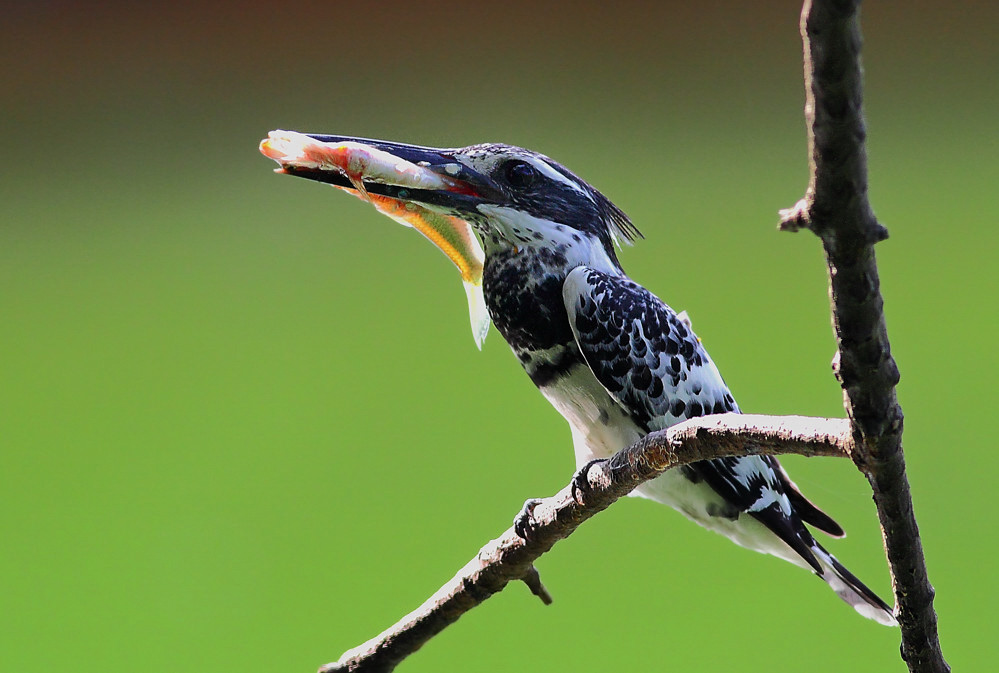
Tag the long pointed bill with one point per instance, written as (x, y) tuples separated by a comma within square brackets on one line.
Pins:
[(400, 181)]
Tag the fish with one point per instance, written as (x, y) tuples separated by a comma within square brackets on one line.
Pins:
[(359, 163)]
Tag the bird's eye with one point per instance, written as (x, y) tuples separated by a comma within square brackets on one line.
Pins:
[(519, 174)]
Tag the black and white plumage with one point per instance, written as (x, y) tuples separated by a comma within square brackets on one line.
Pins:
[(609, 355)]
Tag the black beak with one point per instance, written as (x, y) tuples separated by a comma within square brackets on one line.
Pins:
[(460, 188)]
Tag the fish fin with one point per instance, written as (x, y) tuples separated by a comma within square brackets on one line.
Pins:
[(478, 315)]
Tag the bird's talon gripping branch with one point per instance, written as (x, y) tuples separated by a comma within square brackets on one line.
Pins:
[(524, 523), (581, 480)]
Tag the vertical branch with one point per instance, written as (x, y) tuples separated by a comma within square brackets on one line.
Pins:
[(837, 210)]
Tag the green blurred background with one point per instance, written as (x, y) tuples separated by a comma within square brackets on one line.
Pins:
[(243, 422)]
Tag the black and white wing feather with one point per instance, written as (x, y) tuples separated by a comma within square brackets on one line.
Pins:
[(650, 362)]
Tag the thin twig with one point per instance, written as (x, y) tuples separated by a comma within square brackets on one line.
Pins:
[(533, 581), (510, 557), (836, 208)]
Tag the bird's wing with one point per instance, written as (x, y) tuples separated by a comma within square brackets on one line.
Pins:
[(653, 365)]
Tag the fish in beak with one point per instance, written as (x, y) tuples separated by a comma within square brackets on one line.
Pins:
[(423, 188)]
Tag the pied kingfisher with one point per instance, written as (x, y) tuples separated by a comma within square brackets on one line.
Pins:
[(609, 355)]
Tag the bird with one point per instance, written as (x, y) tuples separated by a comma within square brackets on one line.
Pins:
[(610, 356)]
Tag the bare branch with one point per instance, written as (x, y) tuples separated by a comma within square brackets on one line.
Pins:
[(837, 210), (510, 557)]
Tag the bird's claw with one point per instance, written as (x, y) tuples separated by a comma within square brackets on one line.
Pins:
[(524, 523), (581, 481)]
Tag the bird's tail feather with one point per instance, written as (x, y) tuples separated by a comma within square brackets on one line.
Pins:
[(852, 590)]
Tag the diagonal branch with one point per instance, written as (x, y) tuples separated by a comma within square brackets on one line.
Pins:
[(837, 210), (510, 557)]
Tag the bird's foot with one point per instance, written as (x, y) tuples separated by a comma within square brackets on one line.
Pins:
[(524, 523), (581, 481)]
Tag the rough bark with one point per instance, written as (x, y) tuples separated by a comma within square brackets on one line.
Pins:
[(510, 557), (836, 208)]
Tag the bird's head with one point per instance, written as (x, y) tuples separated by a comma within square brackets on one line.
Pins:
[(530, 200), (513, 197)]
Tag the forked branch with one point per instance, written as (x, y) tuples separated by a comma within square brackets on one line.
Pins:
[(835, 208)]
